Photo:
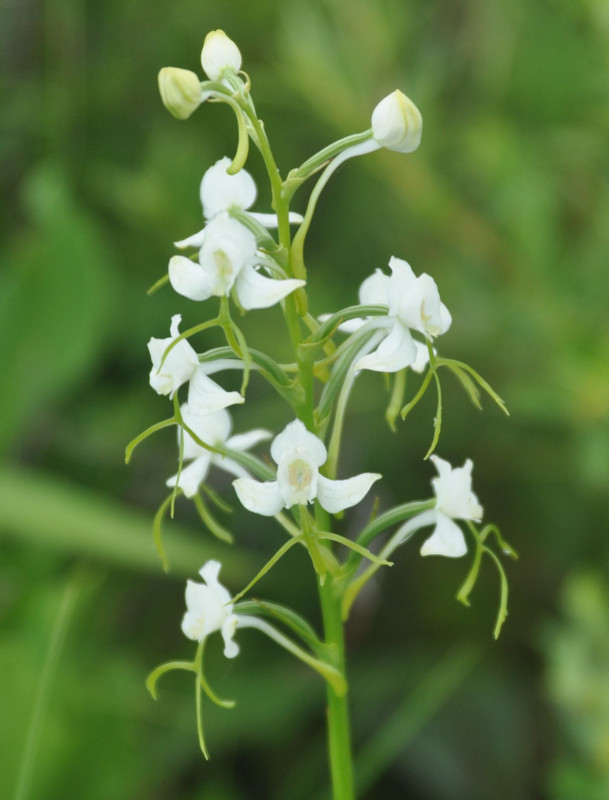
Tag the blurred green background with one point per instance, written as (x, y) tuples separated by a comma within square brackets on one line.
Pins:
[(506, 204)]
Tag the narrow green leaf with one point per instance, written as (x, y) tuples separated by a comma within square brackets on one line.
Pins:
[(269, 564), (478, 378), (362, 551), (210, 522), (467, 383), (157, 531), (158, 284), (422, 389), (158, 426), (437, 423), (153, 677)]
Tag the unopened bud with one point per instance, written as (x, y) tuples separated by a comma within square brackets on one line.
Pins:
[(397, 123), (219, 53), (180, 91)]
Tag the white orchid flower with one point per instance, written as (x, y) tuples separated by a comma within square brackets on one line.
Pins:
[(227, 262), (413, 304), (209, 609), (454, 500), (182, 365), (179, 366), (214, 429), (298, 455)]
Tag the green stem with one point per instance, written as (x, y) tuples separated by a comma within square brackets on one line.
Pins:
[(339, 735)]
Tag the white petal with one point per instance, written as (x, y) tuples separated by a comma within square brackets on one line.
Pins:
[(453, 489), (221, 191), (196, 240), (227, 248), (255, 291), (179, 365), (396, 351), (294, 437), (205, 396), (374, 291), (428, 517), (260, 498), (422, 359), (446, 540), (188, 278), (401, 281), (213, 429), (271, 221), (335, 496), (192, 476), (210, 572), (245, 441), (229, 627), (192, 626)]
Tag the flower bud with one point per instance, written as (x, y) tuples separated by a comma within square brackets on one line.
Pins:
[(397, 123), (180, 91), (219, 53)]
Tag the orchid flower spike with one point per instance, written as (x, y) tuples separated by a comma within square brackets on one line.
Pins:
[(209, 609), (454, 500), (413, 304), (298, 455), (219, 55), (212, 429), (227, 262), (179, 366)]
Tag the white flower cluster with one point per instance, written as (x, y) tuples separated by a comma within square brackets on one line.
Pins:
[(229, 263), (229, 260)]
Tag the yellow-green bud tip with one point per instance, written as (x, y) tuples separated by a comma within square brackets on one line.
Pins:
[(180, 91)]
